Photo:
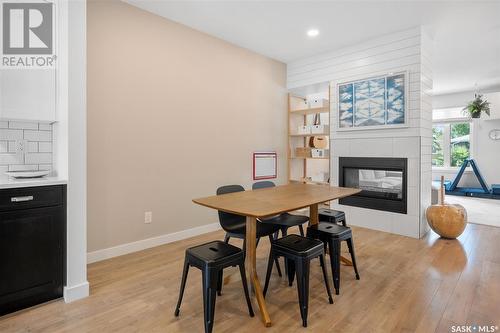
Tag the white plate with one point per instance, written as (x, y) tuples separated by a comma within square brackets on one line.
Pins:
[(27, 174)]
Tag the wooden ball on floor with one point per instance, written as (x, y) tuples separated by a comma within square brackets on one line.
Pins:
[(446, 220)]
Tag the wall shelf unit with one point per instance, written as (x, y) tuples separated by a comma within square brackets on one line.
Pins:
[(313, 170)]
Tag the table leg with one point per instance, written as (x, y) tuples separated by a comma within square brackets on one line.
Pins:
[(313, 214), (251, 235)]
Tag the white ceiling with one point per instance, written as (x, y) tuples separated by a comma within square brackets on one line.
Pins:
[(466, 34)]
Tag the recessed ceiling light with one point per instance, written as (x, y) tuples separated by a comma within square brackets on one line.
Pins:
[(312, 32)]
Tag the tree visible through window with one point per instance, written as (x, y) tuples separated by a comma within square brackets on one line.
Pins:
[(450, 144)]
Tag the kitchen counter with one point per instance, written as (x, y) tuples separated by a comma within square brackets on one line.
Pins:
[(8, 182)]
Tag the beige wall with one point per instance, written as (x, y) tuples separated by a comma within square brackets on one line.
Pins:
[(172, 114)]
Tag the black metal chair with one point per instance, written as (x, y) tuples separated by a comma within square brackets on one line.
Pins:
[(284, 220), (235, 226), (332, 235), (211, 258), (298, 252)]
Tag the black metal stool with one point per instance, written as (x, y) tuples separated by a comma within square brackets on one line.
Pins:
[(332, 235), (332, 216), (212, 258), (298, 252)]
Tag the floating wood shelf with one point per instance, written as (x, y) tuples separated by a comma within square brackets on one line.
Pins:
[(306, 135), (310, 158), (325, 109)]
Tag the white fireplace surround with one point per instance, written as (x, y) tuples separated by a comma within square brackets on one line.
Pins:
[(407, 51)]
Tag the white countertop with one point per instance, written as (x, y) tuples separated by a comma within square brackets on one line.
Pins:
[(9, 182)]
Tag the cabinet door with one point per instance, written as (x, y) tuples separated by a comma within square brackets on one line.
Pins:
[(31, 257), (28, 94)]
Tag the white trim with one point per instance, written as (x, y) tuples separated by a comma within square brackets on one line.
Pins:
[(122, 249), (77, 292)]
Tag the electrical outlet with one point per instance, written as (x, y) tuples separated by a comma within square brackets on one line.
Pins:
[(148, 217), (21, 146)]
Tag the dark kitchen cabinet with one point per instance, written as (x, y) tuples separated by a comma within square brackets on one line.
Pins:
[(32, 246)]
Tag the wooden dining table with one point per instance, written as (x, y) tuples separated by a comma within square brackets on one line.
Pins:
[(266, 202)]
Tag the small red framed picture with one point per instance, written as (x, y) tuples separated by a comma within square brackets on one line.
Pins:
[(265, 165)]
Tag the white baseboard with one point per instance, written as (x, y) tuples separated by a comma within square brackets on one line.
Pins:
[(119, 250), (74, 293)]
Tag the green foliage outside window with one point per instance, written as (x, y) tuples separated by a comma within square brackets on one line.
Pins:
[(451, 139)]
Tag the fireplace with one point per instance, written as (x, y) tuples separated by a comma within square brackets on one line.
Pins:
[(383, 182)]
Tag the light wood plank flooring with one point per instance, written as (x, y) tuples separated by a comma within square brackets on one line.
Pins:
[(406, 285)]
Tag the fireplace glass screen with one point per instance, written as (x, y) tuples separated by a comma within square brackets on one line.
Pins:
[(384, 184)]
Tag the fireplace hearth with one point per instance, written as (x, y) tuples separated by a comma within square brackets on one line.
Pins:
[(383, 182)]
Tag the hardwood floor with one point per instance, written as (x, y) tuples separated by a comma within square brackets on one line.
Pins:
[(406, 285)]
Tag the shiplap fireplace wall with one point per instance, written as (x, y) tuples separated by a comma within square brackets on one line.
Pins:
[(408, 51)]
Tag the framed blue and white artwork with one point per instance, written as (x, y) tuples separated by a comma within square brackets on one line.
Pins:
[(373, 103)]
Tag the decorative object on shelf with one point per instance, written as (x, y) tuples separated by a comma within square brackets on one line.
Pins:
[(26, 174), (305, 129), (495, 134), (372, 103), (319, 141), (318, 153), (303, 152), (317, 103), (477, 106), (265, 165), (447, 220)]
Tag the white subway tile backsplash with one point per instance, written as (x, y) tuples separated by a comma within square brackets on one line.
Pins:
[(23, 125), (38, 158), (4, 146), (37, 135), (45, 147), (23, 167), (45, 167), (38, 153), (8, 159), (33, 147), (11, 134), (12, 147), (45, 127)]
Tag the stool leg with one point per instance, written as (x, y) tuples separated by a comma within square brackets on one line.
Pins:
[(290, 271), (209, 294), (245, 289), (183, 285), (350, 245), (284, 232), (226, 239), (335, 262), (269, 270), (220, 278), (301, 229), (325, 277), (302, 271), (276, 261)]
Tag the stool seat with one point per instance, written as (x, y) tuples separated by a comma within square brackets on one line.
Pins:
[(214, 253), (298, 246), (325, 229), (332, 216)]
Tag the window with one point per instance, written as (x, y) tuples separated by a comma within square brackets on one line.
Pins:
[(450, 144)]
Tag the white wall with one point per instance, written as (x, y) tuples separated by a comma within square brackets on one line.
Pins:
[(408, 51), (486, 152)]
